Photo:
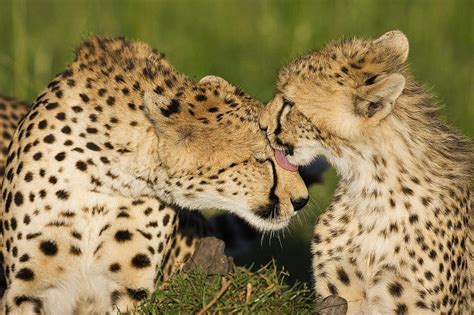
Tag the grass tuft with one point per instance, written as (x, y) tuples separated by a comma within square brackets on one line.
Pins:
[(242, 291)]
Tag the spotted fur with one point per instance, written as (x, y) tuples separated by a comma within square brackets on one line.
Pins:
[(99, 164), (397, 237)]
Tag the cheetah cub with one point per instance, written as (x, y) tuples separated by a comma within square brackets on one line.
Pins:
[(396, 237)]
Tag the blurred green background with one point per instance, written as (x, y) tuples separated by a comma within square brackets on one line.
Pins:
[(246, 42)]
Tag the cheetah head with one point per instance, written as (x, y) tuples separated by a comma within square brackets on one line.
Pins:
[(338, 97), (215, 156)]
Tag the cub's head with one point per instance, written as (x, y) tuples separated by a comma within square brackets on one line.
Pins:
[(337, 97), (215, 155)]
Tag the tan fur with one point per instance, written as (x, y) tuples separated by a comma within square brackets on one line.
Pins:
[(96, 174), (397, 237)]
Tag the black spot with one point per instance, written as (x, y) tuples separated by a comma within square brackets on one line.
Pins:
[(60, 156), (84, 97), (28, 177), (332, 288), (395, 289), (76, 235), (342, 275), (110, 100), (62, 194), (13, 224), (402, 309), (421, 304), (115, 267), (428, 275), (51, 106), (49, 139), (24, 258), (53, 180), (74, 250), (80, 165), (37, 156), (61, 116), (173, 107), (77, 109), (166, 219), (169, 83), (141, 261), (92, 146), (119, 78), (123, 236), (413, 218), (91, 130), (25, 274), (158, 90), (49, 248), (115, 296), (66, 130), (137, 295), (42, 124), (213, 109), (407, 191), (18, 198), (201, 97)]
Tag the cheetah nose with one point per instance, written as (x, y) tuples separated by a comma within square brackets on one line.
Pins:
[(263, 128), (299, 203)]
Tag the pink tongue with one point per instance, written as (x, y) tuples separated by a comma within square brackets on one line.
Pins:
[(280, 157)]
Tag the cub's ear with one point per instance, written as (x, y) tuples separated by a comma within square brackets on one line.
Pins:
[(396, 42), (212, 78), (376, 101)]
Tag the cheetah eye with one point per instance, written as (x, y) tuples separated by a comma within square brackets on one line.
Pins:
[(260, 157), (371, 80)]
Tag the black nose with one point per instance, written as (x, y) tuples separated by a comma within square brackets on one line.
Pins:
[(298, 204), (263, 128)]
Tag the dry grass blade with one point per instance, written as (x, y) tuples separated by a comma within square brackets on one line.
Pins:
[(248, 293), (225, 286)]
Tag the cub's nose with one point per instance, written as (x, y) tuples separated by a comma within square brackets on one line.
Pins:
[(298, 204)]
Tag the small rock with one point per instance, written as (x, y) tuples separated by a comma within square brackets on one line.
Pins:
[(331, 305), (209, 258)]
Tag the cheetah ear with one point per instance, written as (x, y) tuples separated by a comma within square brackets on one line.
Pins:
[(378, 99), (397, 42), (212, 78)]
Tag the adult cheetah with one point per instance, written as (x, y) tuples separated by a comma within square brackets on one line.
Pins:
[(397, 236), (191, 225), (96, 167)]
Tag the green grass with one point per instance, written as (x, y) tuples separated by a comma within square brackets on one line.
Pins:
[(246, 41), (262, 292)]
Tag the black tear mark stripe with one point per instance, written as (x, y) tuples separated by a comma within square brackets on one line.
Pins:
[(272, 195), (286, 103)]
